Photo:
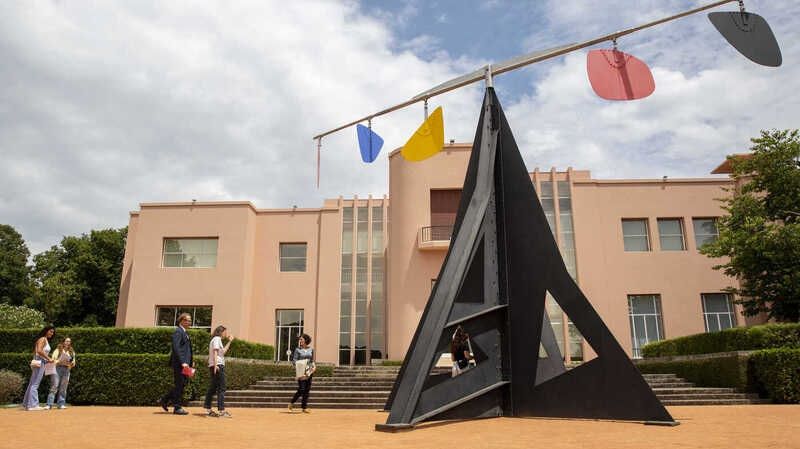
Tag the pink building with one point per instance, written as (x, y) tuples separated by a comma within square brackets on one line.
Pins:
[(356, 273)]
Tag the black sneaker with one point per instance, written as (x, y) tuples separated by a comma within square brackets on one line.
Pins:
[(163, 404), (180, 411)]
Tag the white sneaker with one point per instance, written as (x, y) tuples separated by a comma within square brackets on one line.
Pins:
[(48, 407), (62, 407), (35, 409)]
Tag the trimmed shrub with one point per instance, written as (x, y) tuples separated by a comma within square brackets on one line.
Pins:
[(728, 371), (10, 386), (734, 339), (392, 363), (16, 317), (141, 379), (777, 374), (112, 340)]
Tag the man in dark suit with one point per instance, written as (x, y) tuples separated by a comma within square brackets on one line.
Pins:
[(180, 358)]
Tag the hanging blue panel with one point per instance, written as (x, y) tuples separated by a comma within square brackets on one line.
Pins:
[(369, 143)]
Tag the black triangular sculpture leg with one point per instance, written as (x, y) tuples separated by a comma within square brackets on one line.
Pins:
[(500, 223)]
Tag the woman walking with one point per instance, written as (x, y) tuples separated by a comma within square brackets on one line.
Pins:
[(64, 357), (216, 365), (41, 357), (303, 361)]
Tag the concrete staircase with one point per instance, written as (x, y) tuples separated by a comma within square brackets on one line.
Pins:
[(368, 387), (673, 390)]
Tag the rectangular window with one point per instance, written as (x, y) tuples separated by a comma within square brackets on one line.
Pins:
[(167, 316), (293, 256), (705, 231), (670, 234), (718, 311), (288, 327), (635, 235), (548, 205), (645, 319), (189, 253)]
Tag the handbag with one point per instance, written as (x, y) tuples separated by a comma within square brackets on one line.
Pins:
[(301, 368), (36, 363), (49, 369), (188, 371), (309, 368)]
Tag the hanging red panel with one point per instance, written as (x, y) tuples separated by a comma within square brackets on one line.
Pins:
[(615, 75)]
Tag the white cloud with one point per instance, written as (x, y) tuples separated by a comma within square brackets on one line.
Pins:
[(109, 106), (709, 100)]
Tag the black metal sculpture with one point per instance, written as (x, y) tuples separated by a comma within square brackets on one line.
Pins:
[(501, 263)]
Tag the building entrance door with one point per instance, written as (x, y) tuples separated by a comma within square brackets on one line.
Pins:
[(288, 328)]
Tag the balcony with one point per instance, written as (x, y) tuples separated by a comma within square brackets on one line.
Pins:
[(434, 238)]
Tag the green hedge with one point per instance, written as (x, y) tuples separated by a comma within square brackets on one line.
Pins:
[(728, 372), (392, 363), (112, 340), (734, 339), (777, 373), (141, 379)]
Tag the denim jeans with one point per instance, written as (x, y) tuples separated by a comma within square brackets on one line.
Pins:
[(58, 383), (303, 389), (217, 386), (31, 399)]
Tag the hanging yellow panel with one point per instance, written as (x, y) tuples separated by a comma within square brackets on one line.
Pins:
[(428, 140)]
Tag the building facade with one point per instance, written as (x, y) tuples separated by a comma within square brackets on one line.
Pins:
[(356, 273)]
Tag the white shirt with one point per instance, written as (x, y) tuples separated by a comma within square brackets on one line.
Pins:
[(216, 343)]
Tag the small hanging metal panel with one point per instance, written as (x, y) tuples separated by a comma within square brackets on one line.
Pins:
[(427, 140), (369, 143), (750, 34), (615, 75)]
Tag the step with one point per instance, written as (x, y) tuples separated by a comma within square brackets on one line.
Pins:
[(322, 387), (701, 396), (312, 399), (687, 390), (672, 385), (311, 405), (293, 384), (672, 402), (352, 394), (660, 376)]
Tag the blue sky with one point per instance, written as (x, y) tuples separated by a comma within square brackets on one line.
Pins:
[(105, 105)]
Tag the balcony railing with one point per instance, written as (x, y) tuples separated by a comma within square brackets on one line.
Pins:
[(436, 233)]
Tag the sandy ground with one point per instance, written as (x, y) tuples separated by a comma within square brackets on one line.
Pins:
[(739, 427)]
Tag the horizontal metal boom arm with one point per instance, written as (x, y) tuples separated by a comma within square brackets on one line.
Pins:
[(518, 62)]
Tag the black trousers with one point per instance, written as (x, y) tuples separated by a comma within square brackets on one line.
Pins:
[(175, 395), (217, 386), (303, 388)]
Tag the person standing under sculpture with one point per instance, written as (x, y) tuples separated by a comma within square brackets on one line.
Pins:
[(460, 351), (303, 361), (180, 358)]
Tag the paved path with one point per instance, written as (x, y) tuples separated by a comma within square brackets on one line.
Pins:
[(740, 427)]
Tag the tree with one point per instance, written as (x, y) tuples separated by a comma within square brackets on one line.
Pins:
[(77, 282), (19, 317), (15, 282), (761, 233)]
